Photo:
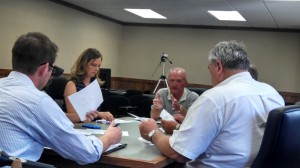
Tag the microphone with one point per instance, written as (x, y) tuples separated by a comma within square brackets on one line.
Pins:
[(165, 57)]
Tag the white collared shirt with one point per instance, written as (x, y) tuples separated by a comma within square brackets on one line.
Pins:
[(30, 120), (225, 125)]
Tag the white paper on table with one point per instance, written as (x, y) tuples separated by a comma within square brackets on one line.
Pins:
[(120, 121), (84, 131), (145, 141), (97, 131), (138, 118), (123, 121), (87, 99), (166, 115)]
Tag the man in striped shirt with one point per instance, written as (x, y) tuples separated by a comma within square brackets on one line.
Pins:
[(30, 119)]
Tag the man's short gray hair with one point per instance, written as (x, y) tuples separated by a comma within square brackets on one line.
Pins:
[(176, 69), (231, 54)]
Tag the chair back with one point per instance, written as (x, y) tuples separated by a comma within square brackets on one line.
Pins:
[(199, 91), (280, 147), (55, 88), (142, 104), (130, 93), (145, 108), (113, 103)]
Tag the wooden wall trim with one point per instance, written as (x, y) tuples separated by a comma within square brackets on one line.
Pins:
[(290, 97), (4, 72), (121, 83), (144, 85)]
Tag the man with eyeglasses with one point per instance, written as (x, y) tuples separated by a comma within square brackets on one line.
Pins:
[(30, 120), (56, 71)]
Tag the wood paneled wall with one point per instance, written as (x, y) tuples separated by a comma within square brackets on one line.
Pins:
[(121, 83), (142, 84), (4, 72)]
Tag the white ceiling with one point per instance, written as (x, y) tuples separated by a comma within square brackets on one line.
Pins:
[(259, 14)]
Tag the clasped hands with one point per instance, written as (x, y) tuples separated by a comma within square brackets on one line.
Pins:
[(158, 103), (168, 126)]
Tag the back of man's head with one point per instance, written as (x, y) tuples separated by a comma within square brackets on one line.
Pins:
[(31, 50), (231, 54)]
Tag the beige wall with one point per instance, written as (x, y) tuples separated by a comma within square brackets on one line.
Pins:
[(276, 55), (71, 30), (135, 51)]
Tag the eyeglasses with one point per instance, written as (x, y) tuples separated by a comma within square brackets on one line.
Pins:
[(56, 71)]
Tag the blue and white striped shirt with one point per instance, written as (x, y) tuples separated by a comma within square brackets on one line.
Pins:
[(31, 120)]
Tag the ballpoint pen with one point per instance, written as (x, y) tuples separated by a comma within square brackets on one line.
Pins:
[(134, 115)]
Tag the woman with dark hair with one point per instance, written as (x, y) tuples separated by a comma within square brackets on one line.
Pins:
[(84, 71)]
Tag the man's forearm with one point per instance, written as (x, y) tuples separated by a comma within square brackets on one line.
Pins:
[(106, 142), (155, 113), (73, 117), (161, 142)]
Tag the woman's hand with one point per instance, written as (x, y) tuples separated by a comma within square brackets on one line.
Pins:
[(90, 116), (106, 115)]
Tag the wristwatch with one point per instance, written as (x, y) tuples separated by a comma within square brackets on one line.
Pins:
[(150, 135)]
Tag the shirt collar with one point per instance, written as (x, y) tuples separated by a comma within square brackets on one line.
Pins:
[(183, 97), (243, 75), (22, 77)]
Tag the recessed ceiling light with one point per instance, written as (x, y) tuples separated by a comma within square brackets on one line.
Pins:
[(282, 0), (146, 13), (227, 15)]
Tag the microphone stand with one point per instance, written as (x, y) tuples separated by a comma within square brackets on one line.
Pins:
[(162, 77)]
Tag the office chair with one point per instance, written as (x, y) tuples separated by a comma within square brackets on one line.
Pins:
[(145, 108), (130, 93), (199, 91), (14, 162), (280, 147), (113, 103), (55, 88), (106, 93), (137, 101)]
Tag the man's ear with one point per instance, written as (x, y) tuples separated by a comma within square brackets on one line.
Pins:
[(219, 66), (42, 69)]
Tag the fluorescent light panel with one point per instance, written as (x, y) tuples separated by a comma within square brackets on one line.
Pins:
[(282, 0), (146, 13), (227, 15)]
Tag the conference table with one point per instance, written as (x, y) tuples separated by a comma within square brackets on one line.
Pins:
[(136, 154)]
